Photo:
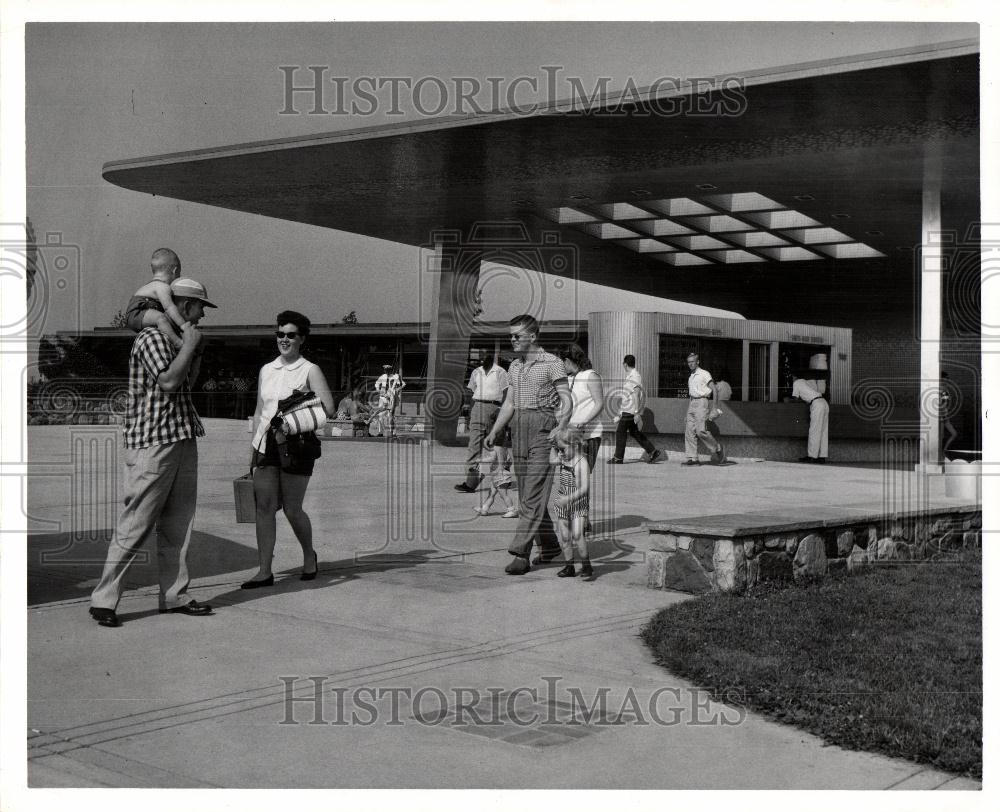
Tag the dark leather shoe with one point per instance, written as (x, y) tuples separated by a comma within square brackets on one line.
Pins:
[(655, 455), (464, 488), (518, 566), (311, 576), (269, 581), (586, 570), (544, 558), (569, 571), (690, 462), (615, 461), (105, 617), (194, 608)]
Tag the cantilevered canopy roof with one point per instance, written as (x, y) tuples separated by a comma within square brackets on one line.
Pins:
[(805, 173)]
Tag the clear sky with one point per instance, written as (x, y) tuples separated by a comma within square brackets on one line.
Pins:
[(102, 92)]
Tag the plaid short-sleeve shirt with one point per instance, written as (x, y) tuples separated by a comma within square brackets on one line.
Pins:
[(152, 416), (533, 383)]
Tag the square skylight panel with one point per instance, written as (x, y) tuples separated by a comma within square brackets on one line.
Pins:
[(782, 219), (814, 235), (743, 201), (660, 228), (757, 239), (677, 207), (647, 246), (607, 231), (850, 250), (622, 211), (700, 242), (720, 223), (681, 259), (734, 256), (790, 254), (565, 214)]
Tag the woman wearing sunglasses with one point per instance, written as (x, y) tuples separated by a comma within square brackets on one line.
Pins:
[(277, 481)]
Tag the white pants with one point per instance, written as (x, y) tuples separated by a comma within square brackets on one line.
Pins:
[(819, 427), (695, 428)]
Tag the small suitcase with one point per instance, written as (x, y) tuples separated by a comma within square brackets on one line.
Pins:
[(246, 503)]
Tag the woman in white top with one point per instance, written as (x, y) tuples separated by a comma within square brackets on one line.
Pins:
[(588, 399), (273, 484)]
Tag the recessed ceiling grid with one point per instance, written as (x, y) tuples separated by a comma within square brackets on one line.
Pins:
[(723, 229)]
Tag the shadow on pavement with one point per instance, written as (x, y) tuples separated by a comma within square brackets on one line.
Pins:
[(331, 573), (65, 566)]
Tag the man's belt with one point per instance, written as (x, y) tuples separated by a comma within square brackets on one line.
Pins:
[(700, 397), (494, 402)]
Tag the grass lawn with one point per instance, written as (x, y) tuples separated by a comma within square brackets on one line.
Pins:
[(888, 661)]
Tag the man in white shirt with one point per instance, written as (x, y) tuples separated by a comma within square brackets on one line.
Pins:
[(388, 385), (633, 401), (488, 383), (819, 419), (701, 388)]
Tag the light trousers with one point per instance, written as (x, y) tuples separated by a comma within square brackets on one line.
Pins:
[(695, 428), (530, 445), (819, 428), (161, 491)]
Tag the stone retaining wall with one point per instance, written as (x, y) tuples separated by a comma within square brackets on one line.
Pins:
[(709, 563)]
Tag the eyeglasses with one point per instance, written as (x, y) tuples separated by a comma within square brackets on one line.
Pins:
[(280, 334)]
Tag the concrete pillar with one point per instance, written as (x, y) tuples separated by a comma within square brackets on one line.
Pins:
[(932, 248), (454, 270)]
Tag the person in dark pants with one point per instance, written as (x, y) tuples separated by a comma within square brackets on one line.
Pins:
[(489, 383), (633, 400), (537, 404)]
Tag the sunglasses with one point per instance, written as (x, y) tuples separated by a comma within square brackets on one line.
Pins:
[(280, 334)]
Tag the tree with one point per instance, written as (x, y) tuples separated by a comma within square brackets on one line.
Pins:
[(119, 320), (350, 318)]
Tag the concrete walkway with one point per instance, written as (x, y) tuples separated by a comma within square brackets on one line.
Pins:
[(411, 615)]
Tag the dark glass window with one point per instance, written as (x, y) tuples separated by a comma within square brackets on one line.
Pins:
[(723, 357)]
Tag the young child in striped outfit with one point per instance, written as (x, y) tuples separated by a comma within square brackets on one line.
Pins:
[(572, 500)]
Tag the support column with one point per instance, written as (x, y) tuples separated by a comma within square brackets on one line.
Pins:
[(455, 274), (932, 248)]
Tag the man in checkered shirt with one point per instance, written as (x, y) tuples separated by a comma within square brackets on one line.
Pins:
[(537, 405), (161, 462)]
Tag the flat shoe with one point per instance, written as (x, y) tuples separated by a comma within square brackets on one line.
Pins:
[(543, 558), (690, 462), (105, 617), (311, 576), (194, 609), (269, 581), (569, 571), (614, 461), (587, 571), (511, 514)]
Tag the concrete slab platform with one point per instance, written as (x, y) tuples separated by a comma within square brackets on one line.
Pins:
[(411, 606)]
